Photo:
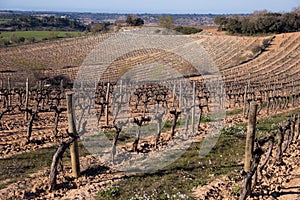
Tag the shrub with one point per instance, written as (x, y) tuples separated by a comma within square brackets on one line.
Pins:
[(255, 49), (266, 42), (110, 193), (187, 30), (31, 39), (4, 42), (21, 39)]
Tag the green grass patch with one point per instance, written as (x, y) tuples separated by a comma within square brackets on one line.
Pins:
[(205, 119), (234, 112), (268, 124), (167, 126), (40, 35), (177, 180), (14, 38), (18, 167), (112, 192), (109, 134)]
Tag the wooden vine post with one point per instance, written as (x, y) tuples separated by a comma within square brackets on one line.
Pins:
[(193, 108), (72, 131), (245, 101), (26, 98), (297, 127), (106, 106), (250, 138), (9, 92), (176, 114)]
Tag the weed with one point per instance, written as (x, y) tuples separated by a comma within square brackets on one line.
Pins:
[(237, 190), (234, 112), (110, 193), (18, 167), (177, 180)]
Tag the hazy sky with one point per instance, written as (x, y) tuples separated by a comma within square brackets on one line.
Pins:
[(152, 6)]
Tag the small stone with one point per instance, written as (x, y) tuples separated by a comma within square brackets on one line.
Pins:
[(51, 195), (274, 194)]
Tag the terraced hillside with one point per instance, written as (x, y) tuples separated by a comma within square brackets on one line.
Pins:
[(49, 58), (279, 61)]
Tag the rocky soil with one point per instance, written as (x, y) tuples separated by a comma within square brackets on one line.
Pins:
[(279, 182)]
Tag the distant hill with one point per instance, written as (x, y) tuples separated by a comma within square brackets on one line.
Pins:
[(149, 19)]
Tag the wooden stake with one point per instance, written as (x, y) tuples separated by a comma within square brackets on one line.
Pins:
[(1, 87), (106, 106), (9, 87), (245, 100), (250, 136), (193, 108), (26, 98), (250, 141), (180, 94), (61, 85), (8, 83), (297, 127), (121, 86), (72, 131), (174, 93), (159, 122)]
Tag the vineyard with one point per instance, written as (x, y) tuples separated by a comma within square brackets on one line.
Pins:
[(36, 81)]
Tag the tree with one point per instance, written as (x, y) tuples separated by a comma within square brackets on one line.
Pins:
[(130, 20), (291, 22), (24, 22), (233, 26), (247, 27), (166, 21), (261, 22), (133, 20), (139, 22), (260, 12), (296, 10), (221, 21), (97, 27)]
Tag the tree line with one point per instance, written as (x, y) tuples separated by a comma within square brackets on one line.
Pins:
[(53, 24), (261, 22), (38, 23)]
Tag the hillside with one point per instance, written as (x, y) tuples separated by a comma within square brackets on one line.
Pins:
[(278, 61)]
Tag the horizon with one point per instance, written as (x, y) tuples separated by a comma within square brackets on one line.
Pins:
[(122, 13), (216, 7)]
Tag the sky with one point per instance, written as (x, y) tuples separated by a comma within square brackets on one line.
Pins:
[(152, 6)]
